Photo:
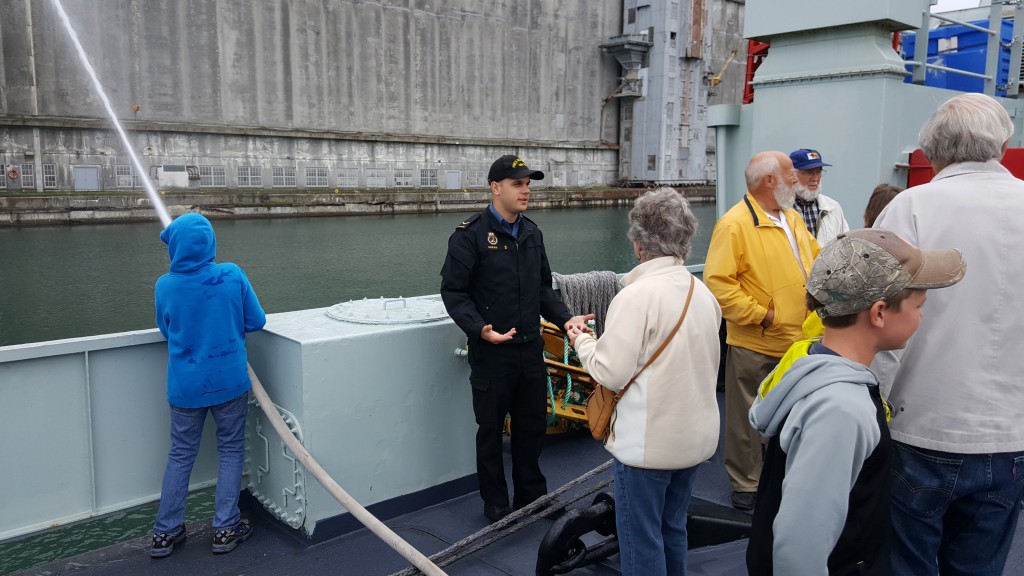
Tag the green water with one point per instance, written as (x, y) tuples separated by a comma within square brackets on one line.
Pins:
[(68, 281), (67, 541)]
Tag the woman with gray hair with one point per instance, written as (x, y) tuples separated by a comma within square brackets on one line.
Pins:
[(660, 354)]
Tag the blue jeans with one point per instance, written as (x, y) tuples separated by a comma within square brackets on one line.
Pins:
[(186, 432), (953, 513), (650, 518)]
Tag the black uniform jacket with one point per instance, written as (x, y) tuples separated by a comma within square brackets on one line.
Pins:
[(490, 277)]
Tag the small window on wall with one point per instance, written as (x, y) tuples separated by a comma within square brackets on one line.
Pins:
[(403, 178), (428, 177), (316, 177), (476, 178), (49, 175), (28, 175), (284, 176), (376, 178), (3, 176), (349, 178), (631, 16), (126, 176), (652, 162), (250, 177), (212, 177)]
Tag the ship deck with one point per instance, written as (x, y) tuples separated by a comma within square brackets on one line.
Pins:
[(274, 550)]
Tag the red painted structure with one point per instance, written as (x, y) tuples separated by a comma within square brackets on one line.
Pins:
[(919, 171), (756, 51)]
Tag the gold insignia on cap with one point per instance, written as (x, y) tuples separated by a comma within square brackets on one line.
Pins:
[(518, 162)]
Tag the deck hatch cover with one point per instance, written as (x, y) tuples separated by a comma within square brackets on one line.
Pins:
[(390, 310)]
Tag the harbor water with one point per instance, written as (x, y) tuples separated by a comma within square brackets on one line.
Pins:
[(69, 281)]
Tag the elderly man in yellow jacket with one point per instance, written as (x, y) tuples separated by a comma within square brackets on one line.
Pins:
[(756, 267)]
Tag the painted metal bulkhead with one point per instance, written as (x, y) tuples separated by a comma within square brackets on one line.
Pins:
[(386, 410), (832, 82)]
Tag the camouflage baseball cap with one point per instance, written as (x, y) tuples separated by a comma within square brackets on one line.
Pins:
[(861, 267)]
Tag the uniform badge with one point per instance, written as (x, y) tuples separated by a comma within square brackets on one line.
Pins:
[(492, 239)]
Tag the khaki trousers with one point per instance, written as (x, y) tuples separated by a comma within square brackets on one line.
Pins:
[(744, 372)]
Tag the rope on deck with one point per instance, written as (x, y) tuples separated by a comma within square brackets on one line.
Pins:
[(588, 293), (513, 522)]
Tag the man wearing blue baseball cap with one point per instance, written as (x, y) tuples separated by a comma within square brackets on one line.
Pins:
[(823, 215)]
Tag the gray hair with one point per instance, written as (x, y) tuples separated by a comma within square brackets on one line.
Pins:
[(662, 223), (761, 165), (966, 128)]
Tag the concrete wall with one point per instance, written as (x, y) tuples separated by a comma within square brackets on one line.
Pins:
[(348, 163), (392, 84)]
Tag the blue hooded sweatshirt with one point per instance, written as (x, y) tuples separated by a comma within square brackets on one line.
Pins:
[(204, 309)]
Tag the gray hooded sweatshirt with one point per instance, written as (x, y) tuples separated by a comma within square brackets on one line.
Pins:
[(821, 410)]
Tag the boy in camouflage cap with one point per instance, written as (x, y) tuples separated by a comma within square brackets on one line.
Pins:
[(823, 497)]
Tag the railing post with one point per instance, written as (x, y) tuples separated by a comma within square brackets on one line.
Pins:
[(995, 24), (921, 45), (1013, 80)]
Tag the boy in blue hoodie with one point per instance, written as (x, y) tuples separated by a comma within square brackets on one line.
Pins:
[(823, 498), (204, 309)]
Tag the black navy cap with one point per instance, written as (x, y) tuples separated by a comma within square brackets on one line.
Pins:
[(511, 166)]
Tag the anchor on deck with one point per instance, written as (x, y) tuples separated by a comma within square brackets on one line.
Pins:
[(562, 551)]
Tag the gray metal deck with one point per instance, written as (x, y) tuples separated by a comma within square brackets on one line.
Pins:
[(274, 550)]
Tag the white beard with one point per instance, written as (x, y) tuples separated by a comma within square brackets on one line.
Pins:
[(806, 194), (785, 195)]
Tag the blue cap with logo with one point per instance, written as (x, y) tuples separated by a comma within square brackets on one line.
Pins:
[(805, 159)]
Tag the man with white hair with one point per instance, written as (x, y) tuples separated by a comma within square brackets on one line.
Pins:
[(756, 267), (822, 215), (957, 390)]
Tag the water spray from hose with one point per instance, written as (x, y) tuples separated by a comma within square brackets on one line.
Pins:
[(154, 197)]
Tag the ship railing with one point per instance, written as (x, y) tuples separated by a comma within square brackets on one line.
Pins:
[(994, 32)]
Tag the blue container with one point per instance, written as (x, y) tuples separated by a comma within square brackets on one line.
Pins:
[(962, 48)]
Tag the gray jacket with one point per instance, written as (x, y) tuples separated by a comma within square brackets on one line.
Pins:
[(827, 425)]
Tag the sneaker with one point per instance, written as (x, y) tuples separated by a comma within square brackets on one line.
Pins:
[(225, 540), (163, 543), (744, 500)]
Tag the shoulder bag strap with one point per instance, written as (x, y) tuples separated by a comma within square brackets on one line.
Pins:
[(658, 352)]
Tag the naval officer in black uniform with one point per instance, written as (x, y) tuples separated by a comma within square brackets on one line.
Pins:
[(496, 283)]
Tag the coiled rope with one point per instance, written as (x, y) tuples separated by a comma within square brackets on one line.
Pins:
[(588, 293)]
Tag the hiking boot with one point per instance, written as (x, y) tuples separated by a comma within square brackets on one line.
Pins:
[(225, 540), (744, 500), (163, 543)]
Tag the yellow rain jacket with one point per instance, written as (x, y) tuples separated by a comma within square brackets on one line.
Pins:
[(751, 268)]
